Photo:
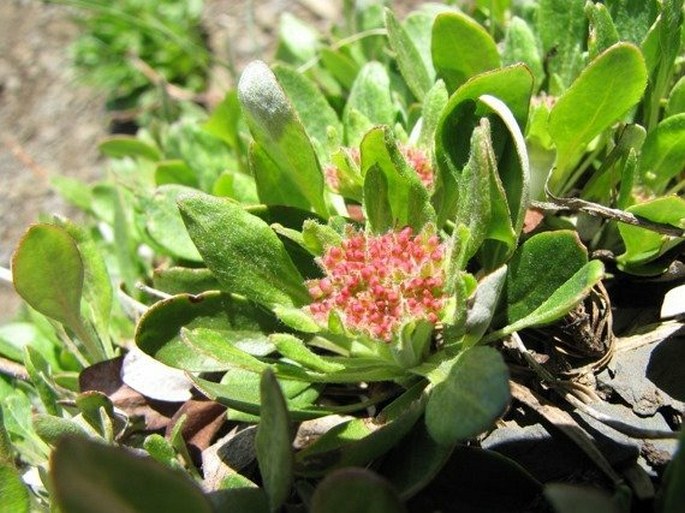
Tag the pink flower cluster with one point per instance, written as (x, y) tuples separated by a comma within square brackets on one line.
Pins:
[(376, 283), (414, 156)]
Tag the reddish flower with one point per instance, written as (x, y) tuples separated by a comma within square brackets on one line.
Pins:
[(376, 283)]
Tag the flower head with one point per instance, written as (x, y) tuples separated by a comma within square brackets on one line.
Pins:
[(377, 282)]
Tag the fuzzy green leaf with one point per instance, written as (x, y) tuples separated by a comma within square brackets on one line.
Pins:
[(15, 494), (358, 490), (474, 392), (273, 442), (520, 45), (120, 146), (90, 477), (316, 114), (562, 27), (278, 130), (407, 197), (408, 57), (539, 267), (48, 272), (165, 225), (559, 303), (242, 251), (369, 103), (239, 321)]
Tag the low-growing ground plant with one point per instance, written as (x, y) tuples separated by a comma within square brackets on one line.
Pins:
[(370, 271)]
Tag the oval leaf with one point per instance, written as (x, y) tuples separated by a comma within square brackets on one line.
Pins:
[(358, 490), (90, 477), (461, 48), (474, 393), (531, 278), (159, 331), (604, 91), (47, 271)]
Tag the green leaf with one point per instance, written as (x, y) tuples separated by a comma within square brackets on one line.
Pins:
[(461, 49), (47, 271), (239, 390), (561, 302), (663, 153), (408, 57), (90, 477), (98, 294), (238, 320), (207, 156), (295, 349), (531, 279), (676, 99), (15, 495), (357, 442), (674, 495), (369, 103), (633, 19), (358, 490), (520, 45), (474, 209), (7, 457), (245, 255), (603, 33), (668, 29), (376, 204), (273, 442), (39, 372), (512, 85), (562, 27), (179, 280), (343, 68), (222, 350), (164, 223), (473, 394), (317, 115), (644, 246), (603, 93), (575, 499), (277, 129), (484, 305), (175, 172), (407, 197), (298, 41), (52, 429), (224, 121), (119, 146), (431, 109), (415, 461), (506, 94)]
